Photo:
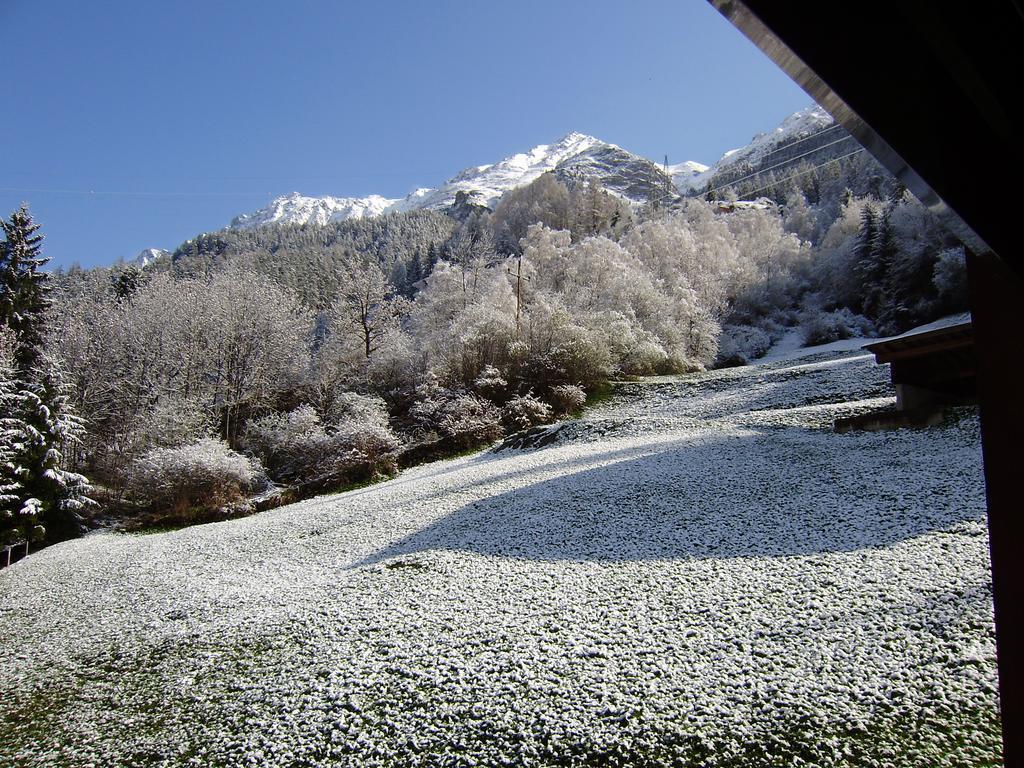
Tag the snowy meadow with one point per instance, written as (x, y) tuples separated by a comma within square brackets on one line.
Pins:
[(699, 571)]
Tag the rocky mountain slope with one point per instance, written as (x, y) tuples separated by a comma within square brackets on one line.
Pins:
[(575, 158), (808, 135)]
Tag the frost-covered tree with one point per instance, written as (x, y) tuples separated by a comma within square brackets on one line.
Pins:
[(774, 266), (42, 431), (368, 308), (544, 201), (126, 280), (950, 279), (52, 435), (594, 211), (24, 287), (799, 218), (465, 320), (256, 344), (16, 520), (179, 359)]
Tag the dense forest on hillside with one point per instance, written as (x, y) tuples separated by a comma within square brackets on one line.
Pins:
[(315, 357)]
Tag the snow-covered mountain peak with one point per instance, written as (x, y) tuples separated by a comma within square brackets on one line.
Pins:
[(149, 256), (574, 142), (575, 157), (807, 121), (493, 180), (485, 184), (296, 208)]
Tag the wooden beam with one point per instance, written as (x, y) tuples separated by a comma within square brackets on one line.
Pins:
[(996, 291)]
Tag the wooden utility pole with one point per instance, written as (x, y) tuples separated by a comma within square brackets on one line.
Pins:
[(518, 274)]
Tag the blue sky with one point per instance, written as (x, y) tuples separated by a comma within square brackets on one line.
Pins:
[(141, 124)]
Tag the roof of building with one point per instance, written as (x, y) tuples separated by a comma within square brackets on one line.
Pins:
[(923, 341)]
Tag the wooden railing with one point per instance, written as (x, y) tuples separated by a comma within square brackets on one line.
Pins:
[(12, 553)]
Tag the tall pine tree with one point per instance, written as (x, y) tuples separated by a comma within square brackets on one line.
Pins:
[(24, 288), (52, 492), (866, 266), (16, 521), (39, 426)]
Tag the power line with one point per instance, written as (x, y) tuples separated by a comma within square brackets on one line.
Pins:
[(734, 182), (101, 194), (808, 137), (809, 170)]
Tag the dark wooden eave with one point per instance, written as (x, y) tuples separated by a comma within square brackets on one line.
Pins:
[(951, 338)]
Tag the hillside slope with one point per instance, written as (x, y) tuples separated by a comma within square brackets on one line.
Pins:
[(698, 572)]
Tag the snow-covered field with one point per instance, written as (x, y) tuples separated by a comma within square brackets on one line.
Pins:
[(699, 572)]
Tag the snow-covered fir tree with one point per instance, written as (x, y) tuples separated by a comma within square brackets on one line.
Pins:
[(16, 520), (41, 429), (24, 288), (51, 491)]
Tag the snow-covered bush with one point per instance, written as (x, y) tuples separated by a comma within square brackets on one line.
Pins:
[(739, 344), (297, 447), (524, 411), (566, 398), (360, 410), (645, 358), (292, 446), (367, 446), (491, 384), (193, 480), (466, 420), (825, 327)]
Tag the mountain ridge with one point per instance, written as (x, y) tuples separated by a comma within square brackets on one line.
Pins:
[(575, 158)]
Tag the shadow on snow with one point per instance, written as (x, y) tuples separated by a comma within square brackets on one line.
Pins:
[(755, 493)]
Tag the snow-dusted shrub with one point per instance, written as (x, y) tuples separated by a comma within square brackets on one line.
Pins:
[(393, 365), (194, 479), (470, 417), (491, 384), (351, 407), (645, 358), (292, 446), (825, 327), (566, 398), (524, 411), (465, 419), (298, 447), (739, 344), (366, 445)]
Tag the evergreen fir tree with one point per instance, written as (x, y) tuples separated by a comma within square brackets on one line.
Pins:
[(883, 257), (864, 265), (38, 426), (50, 492), (126, 281), (414, 273), (13, 524), (24, 288)]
